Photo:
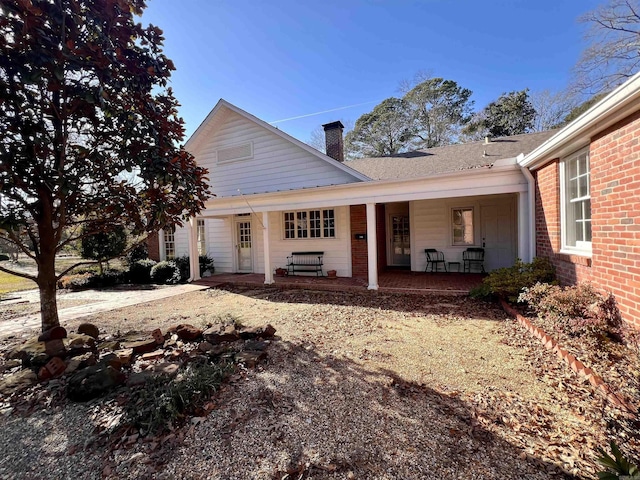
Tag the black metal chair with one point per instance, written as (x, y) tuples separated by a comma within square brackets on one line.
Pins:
[(473, 256), (434, 258)]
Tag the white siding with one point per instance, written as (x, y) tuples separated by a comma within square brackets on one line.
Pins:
[(431, 226), (277, 164), (220, 243)]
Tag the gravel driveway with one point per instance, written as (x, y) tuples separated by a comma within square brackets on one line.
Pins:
[(359, 386)]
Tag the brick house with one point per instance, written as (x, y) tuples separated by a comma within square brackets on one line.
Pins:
[(569, 195), (587, 194)]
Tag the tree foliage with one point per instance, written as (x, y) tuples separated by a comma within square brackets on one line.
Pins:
[(90, 130), (511, 114), (578, 110), (103, 245), (439, 108), (613, 53), (386, 130)]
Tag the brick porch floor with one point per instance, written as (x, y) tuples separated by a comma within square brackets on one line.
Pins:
[(389, 281)]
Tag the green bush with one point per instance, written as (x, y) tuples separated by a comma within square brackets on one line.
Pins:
[(140, 271), (166, 272), (137, 253), (206, 263), (102, 246), (576, 310), (508, 282), (183, 267), (88, 278)]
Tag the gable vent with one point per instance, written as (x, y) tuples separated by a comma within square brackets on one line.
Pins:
[(235, 153)]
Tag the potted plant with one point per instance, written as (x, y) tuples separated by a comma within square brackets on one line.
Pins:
[(281, 272), (332, 274)]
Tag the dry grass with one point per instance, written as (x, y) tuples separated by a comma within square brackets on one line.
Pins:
[(12, 283)]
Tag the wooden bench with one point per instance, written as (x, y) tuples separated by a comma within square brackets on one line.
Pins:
[(305, 262)]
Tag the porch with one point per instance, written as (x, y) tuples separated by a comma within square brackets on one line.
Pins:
[(396, 281)]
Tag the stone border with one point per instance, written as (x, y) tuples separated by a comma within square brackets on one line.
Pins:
[(576, 365)]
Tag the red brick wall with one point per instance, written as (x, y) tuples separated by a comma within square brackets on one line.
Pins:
[(359, 257), (153, 245), (615, 204), (381, 234)]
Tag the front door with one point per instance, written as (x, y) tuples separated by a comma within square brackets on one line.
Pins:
[(497, 225), (243, 246), (400, 243)]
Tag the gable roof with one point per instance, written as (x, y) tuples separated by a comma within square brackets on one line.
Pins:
[(449, 158), (619, 104), (209, 124)]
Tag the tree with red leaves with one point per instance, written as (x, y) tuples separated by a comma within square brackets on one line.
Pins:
[(90, 131)]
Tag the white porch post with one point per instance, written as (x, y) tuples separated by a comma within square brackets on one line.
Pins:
[(268, 271), (372, 244), (194, 263), (524, 235)]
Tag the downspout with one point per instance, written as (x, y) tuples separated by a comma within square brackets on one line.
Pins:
[(532, 206)]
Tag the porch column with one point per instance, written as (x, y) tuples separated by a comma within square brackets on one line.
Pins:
[(372, 247), (194, 263), (524, 234), (268, 271)]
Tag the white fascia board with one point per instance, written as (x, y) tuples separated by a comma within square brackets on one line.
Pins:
[(620, 103), (485, 181), (222, 103)]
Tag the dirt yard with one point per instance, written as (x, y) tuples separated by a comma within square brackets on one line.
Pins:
[(359, 386)]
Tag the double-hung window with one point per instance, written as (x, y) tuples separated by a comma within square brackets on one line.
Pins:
[(576, 202), (310, 224), (202, 240), (169, 244)]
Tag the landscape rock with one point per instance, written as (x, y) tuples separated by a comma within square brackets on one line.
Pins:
[(55, 348), (10, 364), (166, 368), (89, 329), (93, 382), (255, 332), (16, 382), (110, 345), (55, 333), (124, 356), (112, 360), (250, 358), (256, 345), (79, 341), (188, 332), (139, 378), (141, 346), (153, 355), (214, 335), (205, 346), (158, 336)]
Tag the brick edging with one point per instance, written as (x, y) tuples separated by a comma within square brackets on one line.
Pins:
[(576, 365)]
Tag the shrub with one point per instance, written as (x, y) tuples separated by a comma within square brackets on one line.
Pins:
[(183, 268), (576, 310), (102, 246), (140, 271), (206, 263), (108, 278), (166, 272), (79, 281), (137, 253), (508, 282)]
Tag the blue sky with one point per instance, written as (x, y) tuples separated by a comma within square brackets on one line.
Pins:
[(288, 58)]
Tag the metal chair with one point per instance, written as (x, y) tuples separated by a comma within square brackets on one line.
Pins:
[(473, 256), (434, 258)]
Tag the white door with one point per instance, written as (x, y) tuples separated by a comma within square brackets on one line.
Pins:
[(497, 226), (243, 246)]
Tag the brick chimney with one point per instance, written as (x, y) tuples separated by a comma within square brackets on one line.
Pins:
[(333, 139)]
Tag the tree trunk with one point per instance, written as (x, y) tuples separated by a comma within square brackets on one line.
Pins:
[(47, 286)]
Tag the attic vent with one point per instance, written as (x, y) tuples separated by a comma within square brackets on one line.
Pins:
[(235, 153)]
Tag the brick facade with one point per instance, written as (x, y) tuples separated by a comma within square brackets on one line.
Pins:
[(359, 252), (359, 256), (615, 205), (153, 246)]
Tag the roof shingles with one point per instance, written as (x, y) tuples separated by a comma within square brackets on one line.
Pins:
[(447, 159)]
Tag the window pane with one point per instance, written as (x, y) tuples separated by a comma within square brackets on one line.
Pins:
[(329, 224), (462, 229), (202, 241), (587, 231), (577, 203), (314, 223), (302, 225), (289, 225), (583, 189)]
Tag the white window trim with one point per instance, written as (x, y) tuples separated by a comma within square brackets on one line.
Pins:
[(475, 234), (238, 159), (581, 248), (322, 237)]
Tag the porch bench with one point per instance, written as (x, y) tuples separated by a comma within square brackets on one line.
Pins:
[(305, 262)]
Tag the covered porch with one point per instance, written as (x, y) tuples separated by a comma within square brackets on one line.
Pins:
[(396, 281)]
